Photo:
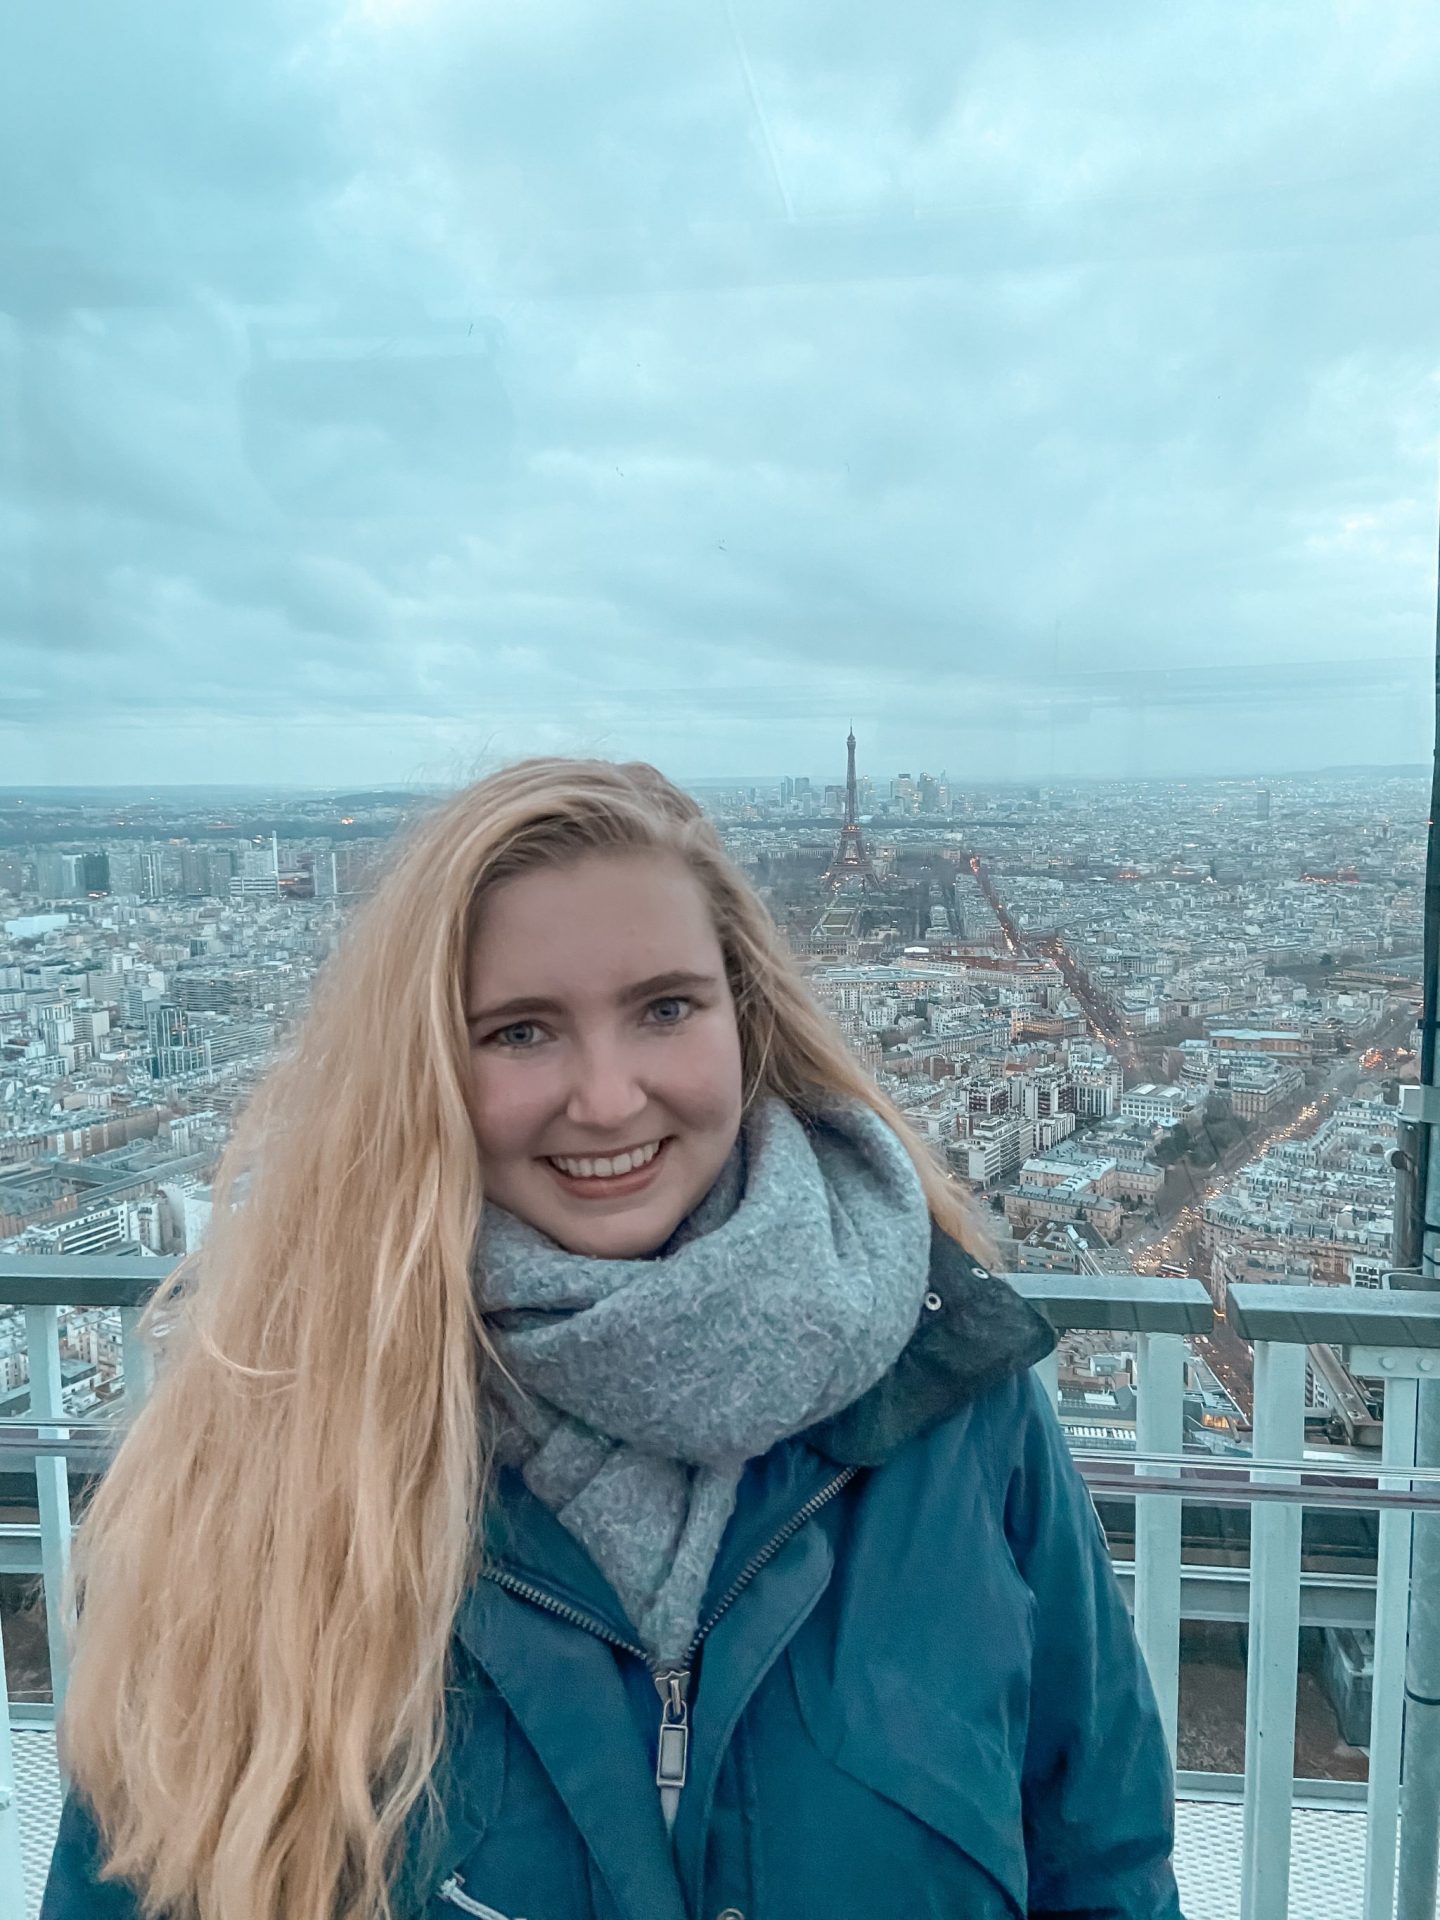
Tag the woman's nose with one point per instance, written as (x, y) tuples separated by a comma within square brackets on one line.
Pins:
[(606, 1090)]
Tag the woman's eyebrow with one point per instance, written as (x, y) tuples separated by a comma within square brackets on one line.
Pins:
[(642, 990)]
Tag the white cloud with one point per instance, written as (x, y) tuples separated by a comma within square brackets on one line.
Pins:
[(679, 378)]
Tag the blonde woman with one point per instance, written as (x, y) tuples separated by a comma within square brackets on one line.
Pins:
[(593, 1473)]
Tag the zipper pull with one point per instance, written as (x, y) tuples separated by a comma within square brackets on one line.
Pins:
[(452, 1890), (673, 1758)]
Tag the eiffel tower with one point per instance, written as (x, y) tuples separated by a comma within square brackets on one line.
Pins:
[(850, 867)]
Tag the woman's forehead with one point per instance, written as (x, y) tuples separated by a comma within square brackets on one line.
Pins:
[(593, 918)]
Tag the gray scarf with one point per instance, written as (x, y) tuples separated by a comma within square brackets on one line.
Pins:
[(648, 1383)]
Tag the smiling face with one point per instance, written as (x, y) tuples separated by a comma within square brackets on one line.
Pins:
[(601, 1023)]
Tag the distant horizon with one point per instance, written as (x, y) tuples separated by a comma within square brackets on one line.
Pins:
[(157, 790)]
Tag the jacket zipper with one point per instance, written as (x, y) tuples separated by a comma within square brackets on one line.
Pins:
[(452, 1890), (671, 1683)]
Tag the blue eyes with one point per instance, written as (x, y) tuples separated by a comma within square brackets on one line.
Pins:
[(505, 1036)]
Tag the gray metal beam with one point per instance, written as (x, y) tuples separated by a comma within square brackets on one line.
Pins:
[(1121, 1303), (79, 1279), (20, 1547), (1223, 1594), (1217, 1594), (1336, 1316)]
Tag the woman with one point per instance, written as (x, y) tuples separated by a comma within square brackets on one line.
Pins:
[(591, 1476)]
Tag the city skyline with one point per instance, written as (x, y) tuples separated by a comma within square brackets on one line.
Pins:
[(1248, 776), (1126, 962)]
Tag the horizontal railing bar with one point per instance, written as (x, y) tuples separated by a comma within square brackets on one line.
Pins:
[(1207, 1593), (1134, 1303), (1222, 1594), (1197, 1471), (1201, 1463), (80, 1279), (31, 1716), (1228, 1494), (88, 1455), (1101, 1476), (1117, 1303), (13, 1425), (1337, 1796), (1333, 1316), (76, 1437), (49, 1428)]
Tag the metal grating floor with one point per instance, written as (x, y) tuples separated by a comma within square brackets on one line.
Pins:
[(1326, 1875), (37, 1801), (1327, 1861)]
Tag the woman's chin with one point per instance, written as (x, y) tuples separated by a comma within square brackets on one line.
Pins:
[(630, 1239)]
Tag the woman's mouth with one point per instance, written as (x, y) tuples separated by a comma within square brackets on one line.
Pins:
[(609, 1177)]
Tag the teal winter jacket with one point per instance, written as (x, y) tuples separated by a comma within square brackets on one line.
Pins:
[(916, 1694)]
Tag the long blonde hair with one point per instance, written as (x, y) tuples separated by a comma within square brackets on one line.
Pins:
[(274, 1559)]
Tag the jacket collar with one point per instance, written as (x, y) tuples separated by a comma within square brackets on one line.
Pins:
[(974, 1331)]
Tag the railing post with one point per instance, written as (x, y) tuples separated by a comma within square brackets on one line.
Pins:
[(1387, 1686), (136, 1360), (52, 1487), (1271, 1680), (1160, 1428), (1047, 1372), (1415, 1892), (12, 1868)]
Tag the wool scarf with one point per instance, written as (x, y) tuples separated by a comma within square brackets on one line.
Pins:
[(647, 1383)]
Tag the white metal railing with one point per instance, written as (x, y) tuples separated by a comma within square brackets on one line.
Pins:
[(41, 1285), (1393, 1337)]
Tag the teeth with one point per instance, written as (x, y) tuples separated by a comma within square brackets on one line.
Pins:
[(604, 1169)]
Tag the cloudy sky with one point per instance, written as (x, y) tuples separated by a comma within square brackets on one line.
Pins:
[(392, 387)]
